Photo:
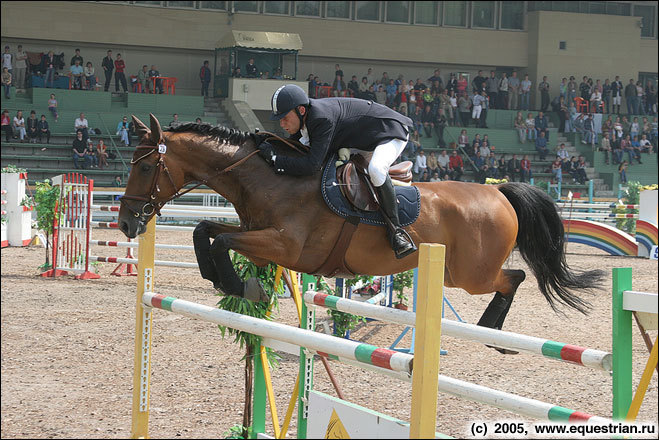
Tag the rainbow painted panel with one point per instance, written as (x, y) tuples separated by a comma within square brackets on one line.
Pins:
[(646, 234), (601, 236)]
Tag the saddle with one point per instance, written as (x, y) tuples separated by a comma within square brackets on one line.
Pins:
[(353, 180)]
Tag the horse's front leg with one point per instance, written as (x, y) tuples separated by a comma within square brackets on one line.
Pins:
[(202, 246)]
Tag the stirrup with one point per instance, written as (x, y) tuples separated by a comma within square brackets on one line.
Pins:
[(409, 248)]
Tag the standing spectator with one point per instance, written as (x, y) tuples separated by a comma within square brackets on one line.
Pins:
[(122, 131), (453, 101), (606, 94), (420, 163), (90, 77), (76, 75), (251, 71), (520, 126), (650, 98), (48, 63), (6, 82), (19, 125), (440, 125), (338, 71), (6, 126), (43, 129), (479, 83), (463, 108), (563, 114), (590, 137), (605, 146), (370, 77), (205, 77), (631, 97), (8, 60), (616, 94), (391, 90), (237, 73), (541, 145), (80, 152), (477, 107), (339, 87), (562, 88), (640, 99), (82, 125), (21, 67), (492, 89), (513, 91), (108, 68), (102, 154), (32, 129), (456, 166), (526, 92), (571, 90), (584, 90), (504, 85), (481, 170), (452, 84), (542, 125), (428, 120), (525, 167), (76, 57), (52, 106), (462, 84), (513, 167), (622, 171), (155, 84), (544, 94), (119, 76), (634, 128), (436, 77), (143, 80)]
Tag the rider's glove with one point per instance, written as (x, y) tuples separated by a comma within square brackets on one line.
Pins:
[(267, 152)]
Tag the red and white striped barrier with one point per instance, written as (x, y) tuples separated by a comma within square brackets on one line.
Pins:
[(73, 233), (16, 219)]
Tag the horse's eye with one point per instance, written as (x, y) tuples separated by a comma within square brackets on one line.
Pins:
[(146, 168)]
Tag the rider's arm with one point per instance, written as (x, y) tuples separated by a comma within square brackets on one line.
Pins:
[(321, 132)]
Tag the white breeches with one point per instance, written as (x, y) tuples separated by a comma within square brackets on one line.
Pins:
[(476, 112), (381, 159)]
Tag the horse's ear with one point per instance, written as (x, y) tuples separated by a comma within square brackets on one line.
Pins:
[(156, 130), (141, 129)]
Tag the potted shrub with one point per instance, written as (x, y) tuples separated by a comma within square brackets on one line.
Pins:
[(401, 281)]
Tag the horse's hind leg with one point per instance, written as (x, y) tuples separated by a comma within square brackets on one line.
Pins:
[(498, 308)]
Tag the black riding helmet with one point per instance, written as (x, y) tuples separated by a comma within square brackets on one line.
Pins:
[(287, 98)]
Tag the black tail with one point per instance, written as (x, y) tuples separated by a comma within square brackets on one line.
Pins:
[(541, 240)]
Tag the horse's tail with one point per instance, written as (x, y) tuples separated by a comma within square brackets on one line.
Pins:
[(540, 240)]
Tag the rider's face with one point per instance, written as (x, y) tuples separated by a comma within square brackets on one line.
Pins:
[(291, 122)]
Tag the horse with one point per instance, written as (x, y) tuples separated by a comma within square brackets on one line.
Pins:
[(283, 219)]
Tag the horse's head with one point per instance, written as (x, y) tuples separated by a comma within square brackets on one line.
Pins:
[(154, 179)]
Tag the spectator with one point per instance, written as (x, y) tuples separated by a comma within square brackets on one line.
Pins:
[(443, 164), (116, 183), (21, 68), (6, 82), (636, 146), (502, 164), (513, 91), (478, 102), (452, 85), (338, 71), (479, 84), (562, 153), (90, 77), (544, 94), (653, 133), (526, 92), (48, 64), (77, 72), (513, 167), (237, 73), (541, 145), (390, 90), (462, 85), (453, 102), (530, 127), (616, 94), (635, 128), (102, 154), (81, 124), (571, 90), (428, 119), (420, 163), (143, 80), (557, 170), (43, 129), (631, 98), (432, 164), (205, 77), (590, 137), (520, 126), (584, 90), (463, 139), (580, 171), (277, 74), (503, 92), (640, 99), (370, 76), (197, 121), (436, 77), (6, 126), (32, 129), (440, 125), (493, 166), (622, 171), (492, 89), (8, 60), (91, 154), (384, 81), (175, 121), (562, 88), (646, 127), (339, 86), (563, 114), (435, 177), (596, 100), (19, 125), (108, 68), (645, 145), (353, 86), (52, 106), (525, 165), (154, 80), (456, 166), (251, 71), (606, 94), (119, 75), (425, 177), (76, 57), (122, 131), (80, 152), (650, 97), (463, 108), (542, 125)]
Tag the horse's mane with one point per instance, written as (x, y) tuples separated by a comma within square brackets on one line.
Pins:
[(233, 136)]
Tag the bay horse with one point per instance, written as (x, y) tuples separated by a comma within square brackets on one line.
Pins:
[(283, 219)]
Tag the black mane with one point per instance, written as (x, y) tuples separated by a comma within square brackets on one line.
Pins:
[(218, 132)]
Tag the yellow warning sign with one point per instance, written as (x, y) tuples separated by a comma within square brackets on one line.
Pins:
[(335, 428)]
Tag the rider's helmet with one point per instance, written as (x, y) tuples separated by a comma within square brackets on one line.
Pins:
[(287, 98)]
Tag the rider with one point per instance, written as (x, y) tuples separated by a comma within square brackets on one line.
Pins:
[(328, 124)]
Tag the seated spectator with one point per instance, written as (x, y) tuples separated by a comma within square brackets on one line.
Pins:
[(175, 121), (520, 126), (154, 73), (530, 127), (6, 82), (605, 146), (435, 177), (562, 153), (122, 131), (645, 145), (557, 170), (420, 163), (339, 87), (636, 147), (91, 153), (90, 76), (541, 145), (81, 124), (19, 126), (634, 128), (43, 129), (425, 177), (102, 154), (432, 164), (513, 167), (80, 153), (493, 165), (542, 124), (277, 74), (616, 152), (251, 71), (443, 164), (32, 129), (237, 73), (380, 94), (580, 171), (456, 166), (596, 100), (525, 165), (6, 126), (52, 106), (77, 72), (428, 120), (353, 86), (197, 121), (390, 90), (484, 149), (463, 139)]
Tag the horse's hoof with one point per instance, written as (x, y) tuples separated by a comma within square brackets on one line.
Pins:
[(503, 350), (253, 291)]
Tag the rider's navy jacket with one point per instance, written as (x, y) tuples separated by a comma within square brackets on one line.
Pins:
[(334, 123)]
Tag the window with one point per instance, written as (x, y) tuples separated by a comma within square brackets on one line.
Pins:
[(425, 12), (512, 15), (311, 9), (540, 6), (455, 13), (338, 10), (213, 5), (246, 6), (273, 7), (597, 7), (398, 12), (483, 14), (565, 6), (618, 8), (148, 3), (647, 14), (368, 11), (181, 4)]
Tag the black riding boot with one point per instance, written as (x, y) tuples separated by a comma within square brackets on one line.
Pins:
[(401, 242)]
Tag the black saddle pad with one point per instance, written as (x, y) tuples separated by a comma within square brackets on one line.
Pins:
[(409, 200)]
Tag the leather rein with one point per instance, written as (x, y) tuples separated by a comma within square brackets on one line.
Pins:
[(149, 201)]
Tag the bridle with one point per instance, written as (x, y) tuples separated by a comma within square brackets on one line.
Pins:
[(150, 205)]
